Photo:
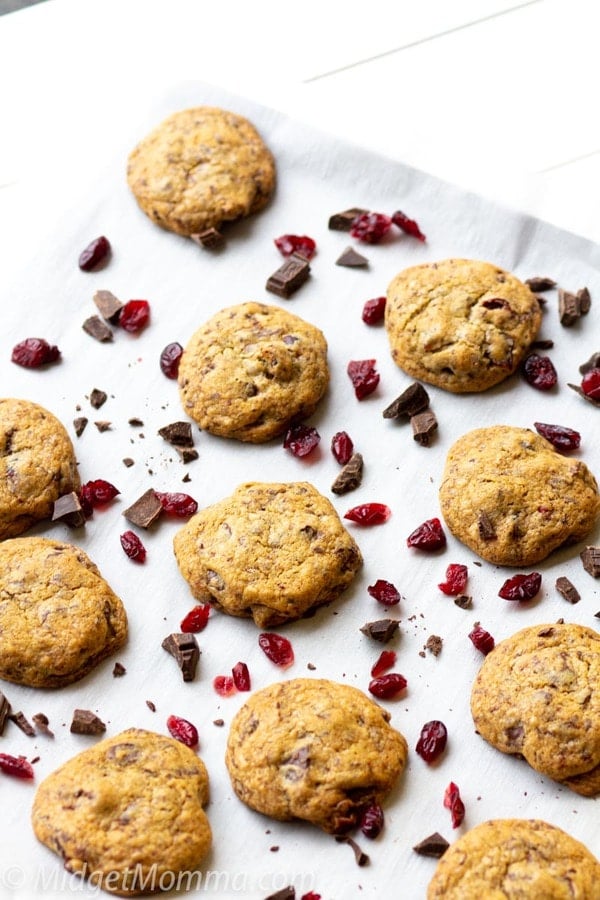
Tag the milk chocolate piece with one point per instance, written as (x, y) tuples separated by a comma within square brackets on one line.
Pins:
[(585, 300), (184, 648), (412, 401), (382, 630), (98, 329), (486, 528), (69, 508), (351, 258), (210, 239), (567, 590), (540, 283), (41, 722), (342, 221), (108, 305), (86, 722), (179, 434), (350, 476), (592, 363), (22, 722), (4, 711), (187, 454), (145, 511), (103, 425), (79, 425), (424, 425), (289, 276), (98, 398), (569, 308), (464, 601), (128, 461), (590, 557), (435, 845)]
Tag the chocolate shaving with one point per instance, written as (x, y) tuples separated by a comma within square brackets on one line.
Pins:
[(145, 511), (103, 425), (582, 393), (86, 722), (184, 648), (434, 644), (350, 477), (108, 305), (98, 398), (41, 723), (210, 239), (98, 329), (79, 425), (23, 723), (342, 221), (464, 601), (289, 276), (540, 283), (351, 259), (286, 893), (151, 705), (69, 508), (424, 425), (118, 670), (382, 630), (179, 434), (434, 845), (4, 711), (567, 590), (590, 557), (487, 531), (413, 400), (359, 855), (592, 363)]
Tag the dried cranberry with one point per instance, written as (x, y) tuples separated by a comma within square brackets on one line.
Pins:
[(371, 821), (96, 493), (241, 676), (95, 253), (224, 685), (521, 587), (342, 447), (277, 648), (386, 687), (590, 384), (432, 740), (294, 243), (310, 896), (34, 352), (428, 536), (177, 504), (407, 225), (453, 802), (386, 660), (134, 315), (170, 359), (373, 311), (559, 436), (481, 639), (133, 546), (183, 731), (363, 376), (370, 227), (17, 766), (196, 620), (539, 372), (369, 514), (301, 440), (495, 303), (384, 592), (456, 580)]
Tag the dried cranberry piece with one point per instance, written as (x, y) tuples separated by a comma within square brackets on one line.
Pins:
[(370, 227), (373, 311), (559, 436), (539, 372), (369, 514), (495, 303), (224, 685), (386, 660), (95, 253), (170, 359), (96, 493), (196, 620), (453, 802), (386, 687), (342, 447), (301, 440), (371, 821), (295, 243), (428, 536), (408, 225), (177, 504), (590, 384), (481, 639), (34, 352), (363, 376), (432, 740), (183, 731), (310, 896), (133, 546), (241, 676), (384, 592), (134, 315), (521, 587), (277, 648), (456, 580), (17, 766)]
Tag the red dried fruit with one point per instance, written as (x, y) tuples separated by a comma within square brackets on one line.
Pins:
[(183, 731), (408, 225), (371, 821), (95, 253), (17, 766), (481, 639), (277, 648), (96, 493), (386, 687), (134, 315), (196, 620), (590, 384), (456, 580), (562, 438), (224, 685), (133, 546), (428, 536), (495, 303), (432, 740), (369, 514), (363, 376), (521, 587), (342, 447), (295, 243), (310, 896), (241, 676), (386, 660), (301, 440), (34, 352), (170, 359), (177, 504), (453, 802), (374, 310), (384, 592), (539, 372), (370, 227)]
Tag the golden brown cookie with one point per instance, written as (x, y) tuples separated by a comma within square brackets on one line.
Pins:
[(37, 465), (127, 814), (200, 168), (58, 616), (512, 498), (270, 551), (516, 859), (313, 749), (461, 324), (537, 694), (251, 370)]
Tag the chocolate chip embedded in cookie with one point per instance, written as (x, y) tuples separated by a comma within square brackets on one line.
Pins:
[(461, 324), (269, 551), (199, 168), (512, 498), (537, 694), (514, 859), (316, 750), (251, 370), (127, 814)]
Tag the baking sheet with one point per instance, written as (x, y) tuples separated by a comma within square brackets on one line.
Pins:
[(317, 176)]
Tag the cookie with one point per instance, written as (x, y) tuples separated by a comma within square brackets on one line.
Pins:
[(461, 324), (37, 465), (513, 859), (200, 168), (537, 694), (315, 750), (252, 370), (512, 498), (269, 551), (58, 616), (128, 814)]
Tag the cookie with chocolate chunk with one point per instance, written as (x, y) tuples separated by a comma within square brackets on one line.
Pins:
[(537, 695), (315, 750), (251, 370), (128, 813), (461, 324), (201, 168), (270, 551), (37, 465), (510, 496), (58, 616)]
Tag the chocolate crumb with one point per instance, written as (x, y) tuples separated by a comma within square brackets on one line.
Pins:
[(68, 507), (541, 345), (424, 425), (186, 477), (128, 461), (545, 632), (151, 706), (289, 276), (118, 670), (382, 630), (350, 476), (135, 422), (79, 425), (342, 221), (4, 711), (23, 723), (592, 363), (103, 425), (145, 511), (219, 722), (179, 434), (413, 400), (274, 848), (184, 648), (486, 528), (98, 398), (187, 454), (590, 557), (86, 722), (108, 305), (464, 601), (359, 855), (434, 644), (351, 259), (96, 328), (210, 239), (35, 760), (434, 845), (286, 893), (41, 721), (422, 654), (311, 666), (567, 590)]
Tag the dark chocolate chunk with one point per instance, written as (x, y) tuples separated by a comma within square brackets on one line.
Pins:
[(567, 590), (118, 670), (540, 283), (342, 221), (102, 425), (351, 259), (582, 393), (289, 276), (286, 893), (541, 345), (435, 845), (86, 722), (98, 329), (434, 644), (69, 508), (128, 461), (179, 434), (350, 476), (382, 630), (41, 722), (486, 528), (4, 711), (108, 305), (585, 300), (98, 398), (79, 425), (187, 454), (184, 648), (359, 855), (23, 723), (145, 511), (137, 423), (590, 557), (424, 425), (569, 307), (210, 239), (464, 601), (592, 363), (413, 400)]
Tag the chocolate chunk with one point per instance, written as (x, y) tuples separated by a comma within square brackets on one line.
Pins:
[(567, 590), (464, 601), (382, 630), (108, 305), (541, 345), (210, 239), (569, 307), (184, 648), (413, 400), (98, 398), (145, 511), (289, 276), (128, 461), (41, 722), (486, 528), (179, 434), (4, 711), (79, 425), (135, 422), (540, 283), (582, 393), (118, 670), (219, 722), (342, 221), (22, 722), (359, 855), (592, 363), (424, 425), (286, 893), (69, 508), (351, 259), (585, 300), (102, 425), (435, 845), (86, 722), (98, 329), (434, 644), (590, 557), (187, 454), (350, 476)]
